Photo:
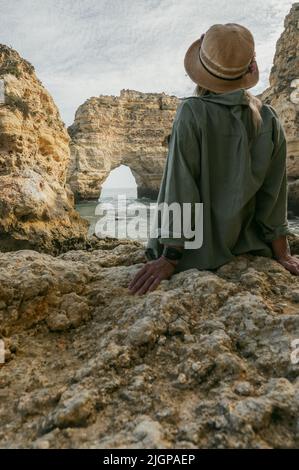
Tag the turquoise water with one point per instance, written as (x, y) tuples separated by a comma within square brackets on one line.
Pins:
[(127, 214), (143, 208)]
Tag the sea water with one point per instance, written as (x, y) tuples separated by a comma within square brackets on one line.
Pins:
[(138, 209), (143, 207)]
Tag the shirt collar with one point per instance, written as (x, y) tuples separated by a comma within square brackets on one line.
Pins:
[(231, 98)]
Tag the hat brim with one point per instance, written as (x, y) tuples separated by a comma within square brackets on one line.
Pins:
[(202, 77)]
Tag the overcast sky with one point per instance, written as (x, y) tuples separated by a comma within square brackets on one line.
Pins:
[(84, 48)]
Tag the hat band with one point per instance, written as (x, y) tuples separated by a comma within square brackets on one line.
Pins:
[(218, 76)]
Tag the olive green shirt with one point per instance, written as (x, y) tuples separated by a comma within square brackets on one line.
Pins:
[(215, 157)]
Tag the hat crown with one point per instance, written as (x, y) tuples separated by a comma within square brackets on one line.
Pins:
[(223, 58), (227, 48)]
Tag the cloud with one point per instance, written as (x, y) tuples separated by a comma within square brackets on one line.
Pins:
[(91, 47)]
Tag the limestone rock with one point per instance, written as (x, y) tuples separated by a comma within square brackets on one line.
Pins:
[(202, 361), (74, 410), (130, 129), (36, 204), (283, 94)]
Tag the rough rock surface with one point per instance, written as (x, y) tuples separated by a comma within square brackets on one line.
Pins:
[(203, 361), (130, 129), (36, 205), (283, 94)]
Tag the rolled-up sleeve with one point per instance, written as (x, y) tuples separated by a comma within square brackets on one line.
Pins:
[(180, 180), (271, 199)]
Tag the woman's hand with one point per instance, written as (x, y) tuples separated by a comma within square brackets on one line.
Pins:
[(150, 275), (291, 263)]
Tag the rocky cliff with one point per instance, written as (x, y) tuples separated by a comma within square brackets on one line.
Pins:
[(130, 129), (206, 360), (283, 94), (36, 205)]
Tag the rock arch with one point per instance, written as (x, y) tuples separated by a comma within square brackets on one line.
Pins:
[(120, 178), (109, 131)]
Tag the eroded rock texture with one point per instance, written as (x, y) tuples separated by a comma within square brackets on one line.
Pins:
[(283, 94), (130, 129), (36, 205), (203, 361)]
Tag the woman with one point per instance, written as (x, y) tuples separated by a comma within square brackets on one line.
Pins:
[(227, 150)]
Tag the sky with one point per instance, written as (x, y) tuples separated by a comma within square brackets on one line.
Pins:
[(84, 48)]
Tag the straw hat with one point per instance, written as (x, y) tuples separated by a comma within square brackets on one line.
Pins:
[(223, 59)]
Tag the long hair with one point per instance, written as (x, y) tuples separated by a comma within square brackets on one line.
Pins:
[(254, 103)]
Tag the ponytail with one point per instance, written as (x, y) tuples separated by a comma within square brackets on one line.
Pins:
[(255, 105)]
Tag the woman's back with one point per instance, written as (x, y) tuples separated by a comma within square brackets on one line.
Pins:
[(234, 159), (224, 165), (227, 151)]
